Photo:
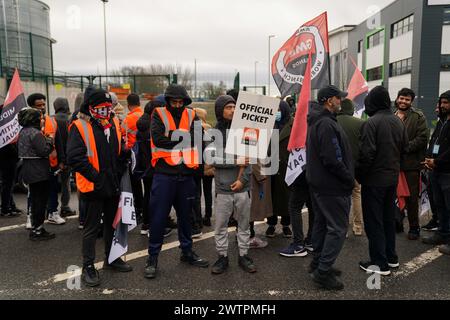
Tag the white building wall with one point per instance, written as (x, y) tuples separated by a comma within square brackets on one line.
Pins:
[(446, 40), (398, 83), (338, 43), (444, 82), (375, 57), (401, 47), (2, 90)]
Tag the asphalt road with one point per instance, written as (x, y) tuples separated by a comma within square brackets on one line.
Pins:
[(30, 270)]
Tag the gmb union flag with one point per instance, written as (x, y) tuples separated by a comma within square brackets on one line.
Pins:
[(289, 63)]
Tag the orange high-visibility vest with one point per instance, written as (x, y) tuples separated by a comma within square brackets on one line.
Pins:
[(129, 127), (50, 128), (174, 157), (87, 133)]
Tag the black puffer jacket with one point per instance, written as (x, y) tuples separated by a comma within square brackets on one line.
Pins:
[(106, 180), (383, 142), (34, 148), (329, 162)]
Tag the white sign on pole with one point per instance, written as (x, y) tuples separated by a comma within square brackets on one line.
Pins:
[(252, 126)]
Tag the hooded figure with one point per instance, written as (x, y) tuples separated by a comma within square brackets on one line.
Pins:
[(384, 140), (283, 115), (176, 91), (351, 125)]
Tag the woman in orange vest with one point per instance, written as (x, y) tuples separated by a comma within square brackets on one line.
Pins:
[(94, 152)]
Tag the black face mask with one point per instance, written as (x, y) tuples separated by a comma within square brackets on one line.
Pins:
[(175, 111)]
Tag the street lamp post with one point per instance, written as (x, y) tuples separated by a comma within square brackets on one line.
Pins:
[(270, 65), (106, 48), (256, 62)]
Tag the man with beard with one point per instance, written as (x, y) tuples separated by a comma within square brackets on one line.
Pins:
[(330, 173), (416, 126), (438, 161)]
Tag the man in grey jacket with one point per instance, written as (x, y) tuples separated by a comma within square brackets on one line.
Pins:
[(232, 191)]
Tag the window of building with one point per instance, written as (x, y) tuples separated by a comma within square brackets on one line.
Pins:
[(447, 16), (402, 27), (375, 39), (375, 74), (445, 62), (360, 46), (400, 67)]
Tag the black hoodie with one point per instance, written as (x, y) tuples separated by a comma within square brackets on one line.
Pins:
[(157, 129), (329, 162), (383, 142)]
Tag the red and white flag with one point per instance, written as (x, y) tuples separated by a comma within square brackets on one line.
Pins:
[(15, 101), (297, 140), (358, 89)]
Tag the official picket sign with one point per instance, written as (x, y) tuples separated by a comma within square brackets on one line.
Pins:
[(252, 126)]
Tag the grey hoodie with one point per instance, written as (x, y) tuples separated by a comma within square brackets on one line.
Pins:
[(226, 173)]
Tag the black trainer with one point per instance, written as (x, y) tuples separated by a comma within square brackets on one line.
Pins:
[(151, 267), (436, 239), (370, 267), (287, 233), (67, 212), (414, 234), (270, 232), (333, 270), (10, 214), (246, 263), (326, 280), (220, 266), (433, 225), (90, 276), (193, 259), (41, 235), (118, 265)]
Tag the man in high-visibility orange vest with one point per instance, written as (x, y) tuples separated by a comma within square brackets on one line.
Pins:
[(129, 132), (173, 180), (50, 129), (94, 152)]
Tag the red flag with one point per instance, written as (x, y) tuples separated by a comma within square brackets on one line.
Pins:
[(358, 89), (299, 128), (402, 190), (15, 101), (288, 64)]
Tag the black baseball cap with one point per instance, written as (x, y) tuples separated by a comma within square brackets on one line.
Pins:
[(330, 92)]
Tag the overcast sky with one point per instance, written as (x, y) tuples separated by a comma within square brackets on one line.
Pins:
[(223, 35)]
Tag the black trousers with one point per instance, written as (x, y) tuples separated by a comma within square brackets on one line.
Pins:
[(138, 196), (7, 170), (196, 216), (207, 192), (378, 204), (273, 220), (298, 198), (94, 210), (330, 228), (147, 212), (39, 193)]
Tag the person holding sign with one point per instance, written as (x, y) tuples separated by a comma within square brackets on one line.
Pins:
[(330, 173), (232, 180)]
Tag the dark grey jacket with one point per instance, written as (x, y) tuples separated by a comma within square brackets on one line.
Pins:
[(34, 149)]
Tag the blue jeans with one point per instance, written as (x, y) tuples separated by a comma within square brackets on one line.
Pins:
[(168, 191), (441, 194)]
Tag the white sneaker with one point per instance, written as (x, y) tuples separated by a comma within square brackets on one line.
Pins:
[(257, 243), (197, 235), (55, 218), (28, 225)]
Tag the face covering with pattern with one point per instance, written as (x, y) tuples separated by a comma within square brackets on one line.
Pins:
[(102, 113)]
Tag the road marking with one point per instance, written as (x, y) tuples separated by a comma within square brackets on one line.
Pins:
[(129, 257), (418, 263), (17, 226)]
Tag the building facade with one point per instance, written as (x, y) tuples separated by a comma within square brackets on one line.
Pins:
[(407, 44)]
